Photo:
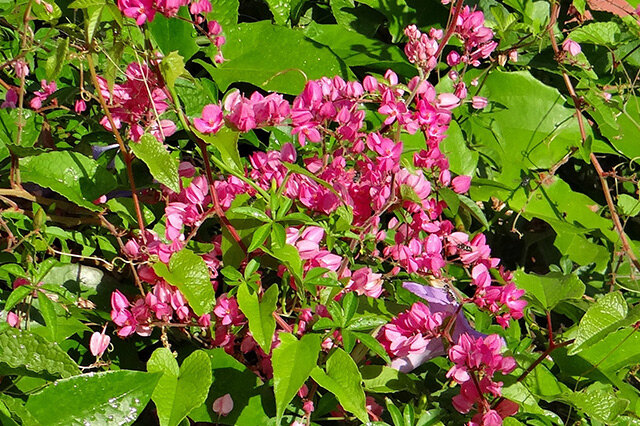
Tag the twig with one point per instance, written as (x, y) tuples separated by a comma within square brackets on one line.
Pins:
[(123, 148)]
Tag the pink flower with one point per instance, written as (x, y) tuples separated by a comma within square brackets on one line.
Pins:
[(99, 343), (13, 320), (448, 101), (200, 7), (214, 28), (80, 106), (222, 406), (227, 310), (453, 58), (11, 99), (140, 10), (571, 46), (211, 121), (118, 301), (21, 68), (478, 102), (461, 184), (18, 282), (364, 281)]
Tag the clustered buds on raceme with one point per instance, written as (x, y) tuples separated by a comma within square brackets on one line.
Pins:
[(421, 49), (476, 360), (138, 102), (478, 39)]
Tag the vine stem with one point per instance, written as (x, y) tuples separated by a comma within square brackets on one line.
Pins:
[(217, 208), (123, 148), (577, 102)]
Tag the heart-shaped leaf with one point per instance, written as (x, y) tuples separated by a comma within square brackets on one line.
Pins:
[(179, 390)]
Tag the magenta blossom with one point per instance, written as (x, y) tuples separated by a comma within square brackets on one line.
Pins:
[(211, 121), (414, 337)]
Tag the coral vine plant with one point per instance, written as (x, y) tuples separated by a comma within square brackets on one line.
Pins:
[(312, 236)]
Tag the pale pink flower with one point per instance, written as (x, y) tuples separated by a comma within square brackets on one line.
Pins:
[(448, 101), (222, 406), (99, 343), (461, 184), (479, 102), (570, 46), (13, 320)]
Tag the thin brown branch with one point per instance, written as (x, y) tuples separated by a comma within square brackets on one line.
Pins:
[(123, 148)]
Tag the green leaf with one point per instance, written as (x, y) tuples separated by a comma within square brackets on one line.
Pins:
[(287, 59), (462, 159), (260, 314), (174, 34), (17, 296), (82, 4), (343, 379), (599, 402), (281, 9), (179, 390), (94, 398), (525, 132), (473, 208), (546, 291), (601, 33), (190, 274), (251, 400), (55, 62), (93, 21), (292, 363), (252, 212), (396, 416), (16, 410), (72, 175), (125, 209), (372, 343), (49, 314), (356, 49), (290, 256), (172, 67), (163, 167), (382, 379), (259, 237), (25, 353), (225, 12), (226, 142), (607, 315), (630, 205), (77, 280)]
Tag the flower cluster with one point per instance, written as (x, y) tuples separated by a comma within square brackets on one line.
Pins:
[(362, 173), (138, 102), (477, 38), (475, 363)]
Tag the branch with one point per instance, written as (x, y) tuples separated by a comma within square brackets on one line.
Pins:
[(123, 147)]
